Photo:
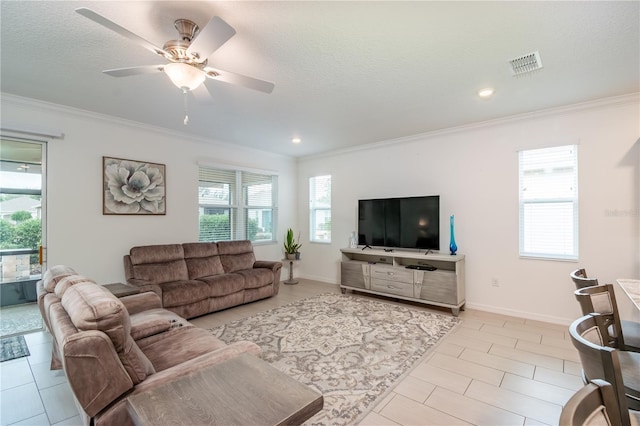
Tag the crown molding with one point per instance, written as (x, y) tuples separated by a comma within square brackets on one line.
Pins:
[(36, 103), (29, 130), (566, 109)]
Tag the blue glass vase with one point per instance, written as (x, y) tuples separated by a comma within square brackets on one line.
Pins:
[(453, 248)]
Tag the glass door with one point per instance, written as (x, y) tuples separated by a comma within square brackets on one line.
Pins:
[(22, 214)]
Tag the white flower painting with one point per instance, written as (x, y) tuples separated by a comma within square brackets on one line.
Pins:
[(133, 187)]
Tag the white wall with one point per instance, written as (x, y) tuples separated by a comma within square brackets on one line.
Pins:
[(79, 235), (473, 169), (475, 172)]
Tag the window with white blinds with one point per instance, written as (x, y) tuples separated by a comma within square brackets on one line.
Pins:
[(236, 205), (320, 208), (549, 202)]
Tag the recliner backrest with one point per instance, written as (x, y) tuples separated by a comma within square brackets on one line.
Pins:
[(54, 274), (203, 259), (45, 290), (236, 255), (92, 327), (157, 263), (92, 307)]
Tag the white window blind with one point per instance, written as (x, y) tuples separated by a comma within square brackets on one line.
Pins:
[(236, 205), (320, 208), (549, 202)]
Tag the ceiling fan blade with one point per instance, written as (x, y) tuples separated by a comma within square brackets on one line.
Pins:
[(126, 72), (211, 37), (241, 80), (202, 95), (94, 16)]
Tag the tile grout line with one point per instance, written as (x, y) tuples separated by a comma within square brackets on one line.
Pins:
[(38, 389)]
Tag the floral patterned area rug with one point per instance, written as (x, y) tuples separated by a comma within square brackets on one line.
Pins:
[(350, 349)]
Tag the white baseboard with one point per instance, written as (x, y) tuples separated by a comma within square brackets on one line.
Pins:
[(520, 314), (480, 307)]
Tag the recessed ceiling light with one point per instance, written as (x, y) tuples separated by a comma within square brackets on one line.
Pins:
[(296, 140), (486, 92)]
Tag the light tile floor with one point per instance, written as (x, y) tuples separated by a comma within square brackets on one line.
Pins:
[(492, 369), (31, 393)]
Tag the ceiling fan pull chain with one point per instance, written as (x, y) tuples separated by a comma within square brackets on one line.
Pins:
[(186, 115)]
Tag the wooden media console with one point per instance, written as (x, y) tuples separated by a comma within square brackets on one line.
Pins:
[(434, 279)]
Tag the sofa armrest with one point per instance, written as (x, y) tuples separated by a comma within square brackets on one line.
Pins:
[(141, 302), (274, 266), (145, 286), (94, 370)]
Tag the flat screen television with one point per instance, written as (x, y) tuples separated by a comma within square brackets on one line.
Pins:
[(409, 222)]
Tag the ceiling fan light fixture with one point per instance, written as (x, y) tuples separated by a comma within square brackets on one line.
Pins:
[(184, 76)]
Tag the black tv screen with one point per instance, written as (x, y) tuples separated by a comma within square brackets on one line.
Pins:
[(410, 222)]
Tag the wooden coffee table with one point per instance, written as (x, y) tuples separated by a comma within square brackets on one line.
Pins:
[(240, 391)]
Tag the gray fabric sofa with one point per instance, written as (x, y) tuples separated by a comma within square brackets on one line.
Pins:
[(194, 279), (113, 348)]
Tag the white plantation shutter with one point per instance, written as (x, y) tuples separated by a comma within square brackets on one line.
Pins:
[(320, 208), (236, 205), (549, 202)]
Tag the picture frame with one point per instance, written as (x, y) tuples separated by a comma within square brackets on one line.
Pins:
[(131, 187)]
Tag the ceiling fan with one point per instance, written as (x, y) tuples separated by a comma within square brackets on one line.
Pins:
[(187, 57)]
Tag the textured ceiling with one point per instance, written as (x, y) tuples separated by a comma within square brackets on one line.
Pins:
[(346, 73)]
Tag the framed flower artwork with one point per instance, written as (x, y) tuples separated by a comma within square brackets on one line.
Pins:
[(133, 187)]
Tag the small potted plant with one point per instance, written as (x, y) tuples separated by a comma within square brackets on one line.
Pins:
[(290, 245)]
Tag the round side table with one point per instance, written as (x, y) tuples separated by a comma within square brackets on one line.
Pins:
[(290, 280)]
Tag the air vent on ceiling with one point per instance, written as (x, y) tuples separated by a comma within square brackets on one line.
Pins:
[(525, 64)]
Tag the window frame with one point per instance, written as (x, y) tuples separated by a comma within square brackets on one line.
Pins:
[(314, 208), (238, 205), (552, 201)]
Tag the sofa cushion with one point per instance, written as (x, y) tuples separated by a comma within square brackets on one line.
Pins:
[(180, 344), (235, 247), (251, 294), (151, 325), (201, 249), (158, 263), (68, 281), (54, 274), (202, 259), (221, 285), (178, 293), (254, 278), (223, 302), (92, 307), (156, 254), (159, 273), (236, 255), (151, 322)]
